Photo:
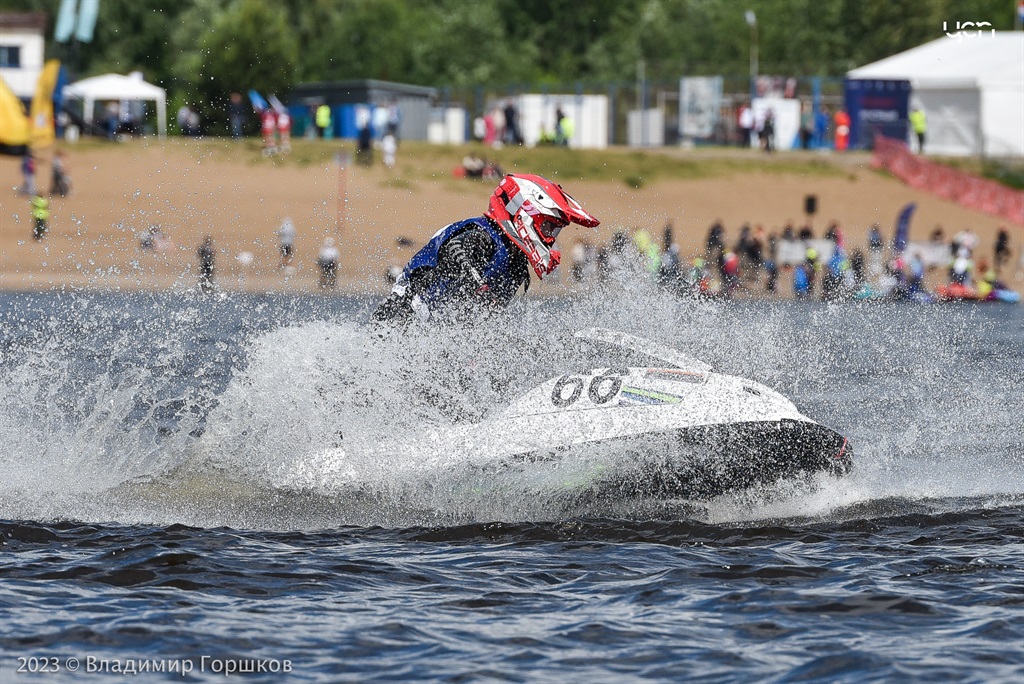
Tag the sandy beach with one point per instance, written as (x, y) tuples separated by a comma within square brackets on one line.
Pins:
[(194, 188)]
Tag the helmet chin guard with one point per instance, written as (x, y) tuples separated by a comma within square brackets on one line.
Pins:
[(532, 210)]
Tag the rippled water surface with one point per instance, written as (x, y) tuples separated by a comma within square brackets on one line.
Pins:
[(172, 498)]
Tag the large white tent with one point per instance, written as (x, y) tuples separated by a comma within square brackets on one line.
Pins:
[(970, 87), (120, 88)]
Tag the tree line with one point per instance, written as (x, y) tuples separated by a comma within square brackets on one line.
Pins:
[(202, 50)]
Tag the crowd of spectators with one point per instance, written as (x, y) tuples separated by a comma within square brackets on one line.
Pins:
[(796, 263)]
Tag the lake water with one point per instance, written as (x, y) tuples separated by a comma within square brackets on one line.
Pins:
[(167, 507)]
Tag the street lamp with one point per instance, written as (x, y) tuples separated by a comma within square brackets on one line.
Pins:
[(752, 23)]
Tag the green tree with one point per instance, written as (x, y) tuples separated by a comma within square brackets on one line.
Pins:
[(246, 44), (464, 44)]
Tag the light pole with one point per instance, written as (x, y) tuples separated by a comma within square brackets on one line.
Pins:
[(752, 23)]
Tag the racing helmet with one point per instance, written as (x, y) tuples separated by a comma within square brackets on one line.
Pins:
[(532, 211)]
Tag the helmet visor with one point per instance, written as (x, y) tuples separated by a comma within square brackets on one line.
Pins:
[(549, 228)]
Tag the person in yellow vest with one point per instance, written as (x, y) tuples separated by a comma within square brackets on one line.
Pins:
[(987, 284), (919, 123), (323, 120), (40, 214)]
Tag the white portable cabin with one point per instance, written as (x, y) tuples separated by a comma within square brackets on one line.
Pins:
[(589, 114), (970, 86), (23, 45)]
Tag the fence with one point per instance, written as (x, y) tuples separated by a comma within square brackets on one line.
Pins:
[(963, 188)]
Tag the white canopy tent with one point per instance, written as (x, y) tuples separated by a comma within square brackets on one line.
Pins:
[(120, 88), (970, 87)]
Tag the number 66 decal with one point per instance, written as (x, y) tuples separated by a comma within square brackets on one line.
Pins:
[(603, 388)]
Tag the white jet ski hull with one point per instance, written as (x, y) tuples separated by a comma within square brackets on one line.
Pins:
[(657, 433)]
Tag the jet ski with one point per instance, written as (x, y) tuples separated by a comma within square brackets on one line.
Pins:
[(662, 427), (665, 431)]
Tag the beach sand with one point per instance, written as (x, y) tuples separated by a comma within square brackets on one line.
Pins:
[(194, 188)]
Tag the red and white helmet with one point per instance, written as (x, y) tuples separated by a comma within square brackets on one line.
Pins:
[(532, 211)]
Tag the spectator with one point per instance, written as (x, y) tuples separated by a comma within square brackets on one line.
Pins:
[(965, 239), (802, 281), (193, 123), (284, 131), (113, 115), (323, 120), (512, 134), (842, 122), (61, 184), (768, 131), (206, 264), (500, 129), (755, 251), (364, 145), (745, 121), (236, 115), (822, 133), (184, 120), (490, 130), (286, 242), (153, 239), (806, 126), (875, 243), (268, 129), (560, 138), (328, 263), (1002, 249), (714, 246), (771, 264), (28, 174), (579, 261), (40, 215), (388, 149), (394, 119), (919, 122)]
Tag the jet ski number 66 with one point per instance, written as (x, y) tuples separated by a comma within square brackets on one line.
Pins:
[(602, 388)]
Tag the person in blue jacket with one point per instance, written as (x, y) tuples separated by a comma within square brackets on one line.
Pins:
[(484, 261)]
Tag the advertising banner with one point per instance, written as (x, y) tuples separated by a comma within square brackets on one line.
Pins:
[(700, 101), (876, 107)]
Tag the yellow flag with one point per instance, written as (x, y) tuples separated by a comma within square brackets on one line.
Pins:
[(41, 114), (13, 122)]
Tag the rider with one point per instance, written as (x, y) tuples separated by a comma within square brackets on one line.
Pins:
[(485, 260)]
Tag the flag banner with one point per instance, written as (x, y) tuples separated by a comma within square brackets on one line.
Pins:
[(65, 20), (276, 104), (899, 242), (41, 113), (258, 103), (14, 128), (88, 11)]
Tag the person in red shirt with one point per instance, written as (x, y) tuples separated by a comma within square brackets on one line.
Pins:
[(842, 121), (268, 127), (284, 130)]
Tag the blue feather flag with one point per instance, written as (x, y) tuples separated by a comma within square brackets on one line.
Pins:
[(258, 103), (899, 242)]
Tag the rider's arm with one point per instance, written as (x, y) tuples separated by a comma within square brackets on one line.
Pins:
[(465, 258)]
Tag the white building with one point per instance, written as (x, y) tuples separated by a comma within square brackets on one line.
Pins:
[(970, 86), (589, 115), (22, 46)]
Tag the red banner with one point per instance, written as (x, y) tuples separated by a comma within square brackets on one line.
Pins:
[(960, 187)]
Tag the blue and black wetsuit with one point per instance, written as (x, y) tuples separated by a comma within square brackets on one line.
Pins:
[(464, 265)]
